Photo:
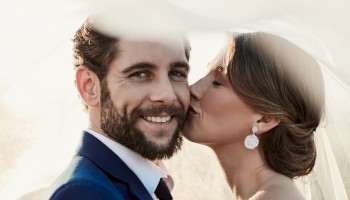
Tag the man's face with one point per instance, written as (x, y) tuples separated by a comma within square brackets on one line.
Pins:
[(145, 96)]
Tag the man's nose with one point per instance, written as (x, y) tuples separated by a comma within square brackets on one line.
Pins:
[(163, 91)]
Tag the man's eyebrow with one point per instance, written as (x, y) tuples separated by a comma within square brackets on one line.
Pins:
[(180, 65), (139, 65)]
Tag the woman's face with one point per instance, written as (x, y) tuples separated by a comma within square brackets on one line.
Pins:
[(217, 115)]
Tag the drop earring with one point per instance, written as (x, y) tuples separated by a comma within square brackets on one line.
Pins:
[(252, 141)]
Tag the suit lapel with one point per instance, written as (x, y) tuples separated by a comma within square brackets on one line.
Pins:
[(102, 156)]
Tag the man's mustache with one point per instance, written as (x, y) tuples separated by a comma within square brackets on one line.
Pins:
[(158, 110)]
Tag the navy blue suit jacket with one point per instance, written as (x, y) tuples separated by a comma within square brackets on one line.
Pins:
[(97, 173)]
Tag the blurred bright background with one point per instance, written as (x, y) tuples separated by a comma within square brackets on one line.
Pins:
[(41, 116)]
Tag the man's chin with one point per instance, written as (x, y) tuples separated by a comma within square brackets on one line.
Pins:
[(161, 143), (166, 146), (160, 136)]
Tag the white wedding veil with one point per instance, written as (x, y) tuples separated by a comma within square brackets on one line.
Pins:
[(42, 117)]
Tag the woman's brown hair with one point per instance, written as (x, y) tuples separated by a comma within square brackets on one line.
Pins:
[(278, 79)]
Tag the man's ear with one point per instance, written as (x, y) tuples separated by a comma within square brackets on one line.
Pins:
[(267, 123), (88, 86)]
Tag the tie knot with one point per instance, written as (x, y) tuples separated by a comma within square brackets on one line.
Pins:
[(162, 191)]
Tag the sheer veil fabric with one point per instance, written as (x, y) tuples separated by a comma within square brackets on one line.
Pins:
[(41, 115)]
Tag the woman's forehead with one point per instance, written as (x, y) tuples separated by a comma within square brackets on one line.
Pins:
[(222, 59)]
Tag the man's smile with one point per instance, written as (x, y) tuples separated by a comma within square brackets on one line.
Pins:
[(157, 119)]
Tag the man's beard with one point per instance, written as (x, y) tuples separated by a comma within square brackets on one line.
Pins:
[(123, 130)]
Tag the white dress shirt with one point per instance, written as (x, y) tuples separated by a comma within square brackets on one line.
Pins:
[(147, 171)]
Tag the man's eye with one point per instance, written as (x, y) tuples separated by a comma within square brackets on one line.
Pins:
[(178, 74), (139, 74)]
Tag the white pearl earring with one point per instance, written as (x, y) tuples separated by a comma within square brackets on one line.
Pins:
[(252, 141)]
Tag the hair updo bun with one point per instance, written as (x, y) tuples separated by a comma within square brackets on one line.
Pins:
[(279, 79)]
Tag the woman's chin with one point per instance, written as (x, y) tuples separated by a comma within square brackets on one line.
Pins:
[(186, 130), (187, 135)]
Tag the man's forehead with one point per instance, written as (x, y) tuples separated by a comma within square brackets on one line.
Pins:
[(141, 53), (171, 42)]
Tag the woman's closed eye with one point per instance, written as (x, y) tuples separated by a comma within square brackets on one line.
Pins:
[(216, 83), (218, 74)]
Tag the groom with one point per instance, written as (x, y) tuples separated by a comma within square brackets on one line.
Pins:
[(136, 95)]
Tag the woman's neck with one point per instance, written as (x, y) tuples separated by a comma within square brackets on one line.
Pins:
[(245, 170)]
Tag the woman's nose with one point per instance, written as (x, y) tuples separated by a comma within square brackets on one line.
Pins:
[(197, 89)]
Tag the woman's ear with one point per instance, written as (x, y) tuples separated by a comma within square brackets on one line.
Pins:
[(88, 86), (267, 123)]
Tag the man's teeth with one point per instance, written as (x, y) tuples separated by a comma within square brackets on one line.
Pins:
[(158, 119)]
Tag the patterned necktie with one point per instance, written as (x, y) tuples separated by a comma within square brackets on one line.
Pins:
[(162, 191)]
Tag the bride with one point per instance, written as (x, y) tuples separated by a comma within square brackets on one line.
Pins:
[(258, 108)]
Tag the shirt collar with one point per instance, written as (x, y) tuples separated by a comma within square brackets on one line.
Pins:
[(147, 171)]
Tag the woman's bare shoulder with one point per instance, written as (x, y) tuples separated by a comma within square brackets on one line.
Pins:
[(279, 187)]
